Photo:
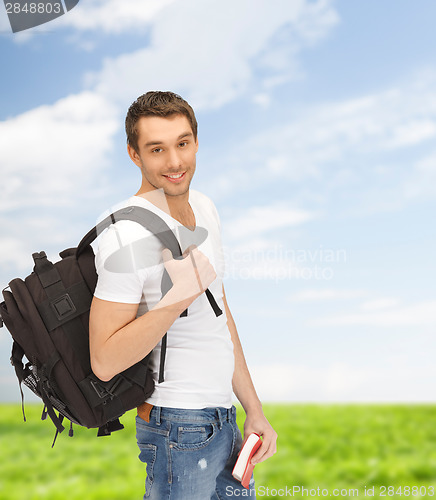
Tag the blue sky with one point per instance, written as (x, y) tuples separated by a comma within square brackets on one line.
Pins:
[(317, 125)]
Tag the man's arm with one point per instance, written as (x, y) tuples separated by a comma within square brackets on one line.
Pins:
[(245, 392), (117, 340)]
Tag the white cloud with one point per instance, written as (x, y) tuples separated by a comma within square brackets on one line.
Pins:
[(49, 228), (377, 304), (420, 314), (49, 153), (252, 249), (421, 183), (427, 165), (258, 257), (113, 16), (352, 149), (262, 99), (413, 132), (5, 26), (16, 252), (261, 219), (210, 55), (327, 294), (261, 243), (374, 123), (263, 258), (53, 161), (397, 379), (104, 16)]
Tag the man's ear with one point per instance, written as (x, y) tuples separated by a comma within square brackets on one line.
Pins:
[(196, 142), (134, 156)]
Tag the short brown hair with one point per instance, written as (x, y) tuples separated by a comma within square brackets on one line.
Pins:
[(157, 103)]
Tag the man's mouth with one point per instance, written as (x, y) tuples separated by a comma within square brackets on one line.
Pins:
[(175, 177)]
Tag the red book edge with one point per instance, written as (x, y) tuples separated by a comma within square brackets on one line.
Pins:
[(249, 467)]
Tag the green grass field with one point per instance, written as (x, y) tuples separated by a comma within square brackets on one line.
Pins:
[(320, 446)]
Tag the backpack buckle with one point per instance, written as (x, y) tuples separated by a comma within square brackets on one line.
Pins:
[(63, 306), (104, 392), (101, 391)]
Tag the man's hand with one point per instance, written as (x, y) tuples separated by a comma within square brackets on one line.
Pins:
[(191, 274), (258, 423)]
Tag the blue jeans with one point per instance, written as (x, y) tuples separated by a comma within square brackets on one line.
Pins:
[(190, 454)]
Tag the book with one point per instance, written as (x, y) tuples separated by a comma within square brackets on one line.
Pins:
[(243, 468)]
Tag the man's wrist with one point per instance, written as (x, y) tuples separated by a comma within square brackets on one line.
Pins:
[(253, 409), (176, 300)]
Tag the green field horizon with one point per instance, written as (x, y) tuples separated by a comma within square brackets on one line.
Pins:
[(343, 450)]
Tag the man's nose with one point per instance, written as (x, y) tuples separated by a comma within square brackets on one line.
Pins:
[(174, 160)]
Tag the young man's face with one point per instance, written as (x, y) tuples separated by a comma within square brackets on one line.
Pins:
[(166, 153)]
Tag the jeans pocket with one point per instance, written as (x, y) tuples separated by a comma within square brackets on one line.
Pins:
[(194, 436), (148, 456)]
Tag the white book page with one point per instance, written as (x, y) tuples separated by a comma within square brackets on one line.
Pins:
[(241, 463)]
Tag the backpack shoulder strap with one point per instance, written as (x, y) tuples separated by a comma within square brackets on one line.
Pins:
[(154, 224), (146, 218)]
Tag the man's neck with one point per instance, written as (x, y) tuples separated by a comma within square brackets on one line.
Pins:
[(172, 205)]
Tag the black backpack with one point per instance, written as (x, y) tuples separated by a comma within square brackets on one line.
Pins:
[(47, 315)]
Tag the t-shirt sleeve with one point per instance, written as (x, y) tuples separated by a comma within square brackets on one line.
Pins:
[(120, 278)]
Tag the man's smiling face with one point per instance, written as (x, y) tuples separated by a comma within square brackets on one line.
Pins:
[(166, 153)]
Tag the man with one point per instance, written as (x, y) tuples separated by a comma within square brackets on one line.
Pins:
[(186, 430)]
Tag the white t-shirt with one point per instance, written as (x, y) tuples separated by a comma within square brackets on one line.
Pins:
[(199, 360)]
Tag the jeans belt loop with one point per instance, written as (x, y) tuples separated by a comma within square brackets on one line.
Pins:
[(157, 415), (229, 414), (220, 420)]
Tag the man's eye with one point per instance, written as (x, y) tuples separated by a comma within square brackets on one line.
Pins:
[(156, 149), (183, 143)]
